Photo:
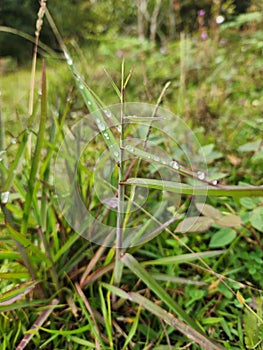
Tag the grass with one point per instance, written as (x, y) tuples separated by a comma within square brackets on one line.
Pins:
[(184, 273)]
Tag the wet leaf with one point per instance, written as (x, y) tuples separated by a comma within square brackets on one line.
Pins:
[(249, 203), (256, 219), (230, 220), (252, 337), (208, 210), (195, 224), (250, 146), (222, 238)]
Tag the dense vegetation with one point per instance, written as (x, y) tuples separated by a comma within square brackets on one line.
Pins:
[(194, 280)]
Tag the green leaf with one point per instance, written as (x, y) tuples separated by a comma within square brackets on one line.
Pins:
[(232, 191), (249, 203), (169, 163), (70, 332), (137, 269), (83, 342), (14, 275), (182, 258), (250, 146), (251, 328), (209, 153), (94, 108), (37, 154), (195, 224), (256, 218), (26, 243), (208, 210), (230, 220), (222, 238), (17, 293), (8, 254), (169, 318), (257, 157)]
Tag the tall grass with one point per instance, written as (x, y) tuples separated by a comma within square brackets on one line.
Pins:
[(58, 286)]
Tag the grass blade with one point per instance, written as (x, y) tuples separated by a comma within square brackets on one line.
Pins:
[(27, 244), (173, 165), (17, 293), (133, 329), (232, 191), (182, 258), (93, 323), (162, 314), (2, 144), (38, 323), (12, 171), (87, 95), (36, 158), (136, 268)]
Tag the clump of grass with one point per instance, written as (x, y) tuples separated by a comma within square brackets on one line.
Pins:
[(59, 286)]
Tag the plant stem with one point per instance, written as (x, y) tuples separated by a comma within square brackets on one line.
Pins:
[(2, 146), (121, 191)]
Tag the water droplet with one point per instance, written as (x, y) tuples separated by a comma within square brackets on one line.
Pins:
[(106, 136), (155, 158), (101, 126), (119, 128), (68, 58), (214, 182), (116, 154), (107, 113), (13, 140), (40, 92), (89, 103), (201, 175), (130, 148), (4, 197), (81, 86), (174, 165)]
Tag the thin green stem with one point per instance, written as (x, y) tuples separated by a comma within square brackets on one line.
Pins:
[(2, 145), (154, 114), (121, 190), (36, 158)]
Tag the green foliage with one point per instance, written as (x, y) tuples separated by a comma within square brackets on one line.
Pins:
[(253, 332), (20, 16), (101, 20), (56, 287)]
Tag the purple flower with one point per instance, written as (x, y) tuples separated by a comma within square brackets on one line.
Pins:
[(163, 50), (201, 13), (204, 36), (119, 53)]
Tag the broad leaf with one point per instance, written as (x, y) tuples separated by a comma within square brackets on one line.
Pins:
[(208, 210), (195, 224), (256, 219), (230, 220), (222, 238)]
